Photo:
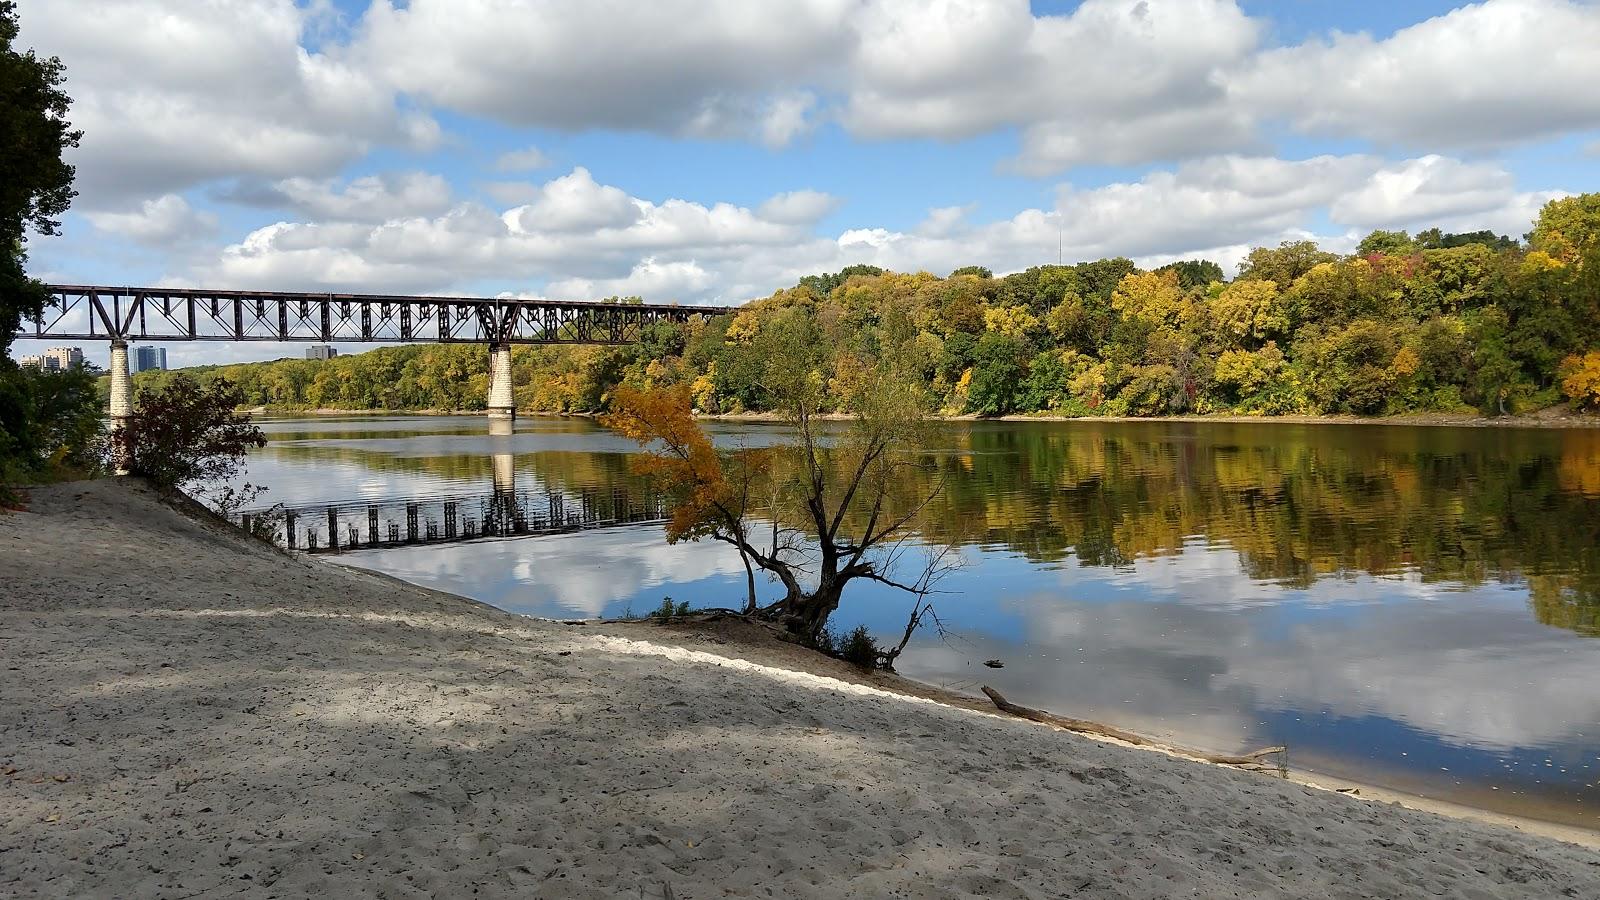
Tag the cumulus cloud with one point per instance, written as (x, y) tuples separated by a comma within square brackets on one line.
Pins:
[(167, 219), (170, 95), (528, 159), (583, 237), (1487, 74), (798, 207), (574, 202), (674, 67), (580, 238), (1112, 81), (373, 198)]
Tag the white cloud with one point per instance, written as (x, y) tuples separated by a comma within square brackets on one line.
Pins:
[(168, 219), (582, 238), (662, 66), (528, 159), (373, 198), (585, 237), (798, 207), (1487, 74), (171, 95), (660, 281), (575, 202), (1112, 81)]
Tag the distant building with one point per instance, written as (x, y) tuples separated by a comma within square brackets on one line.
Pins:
[(31, 362), (59, 359), (321, 351), (147, 358)]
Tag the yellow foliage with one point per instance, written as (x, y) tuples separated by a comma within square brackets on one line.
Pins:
[(1249, 371), (1249, 311), (1538, 261), (1089, 384), (656, 371), (1580, 379), (851, 377), (1011, 321), (743, 328), (704, 390), (1065, 317), (958, 395), (1152, 296), (1405, 363)]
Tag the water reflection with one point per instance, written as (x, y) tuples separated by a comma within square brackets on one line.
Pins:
[(1414, 605)]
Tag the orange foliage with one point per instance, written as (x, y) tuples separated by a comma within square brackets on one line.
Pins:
[(679, 455)]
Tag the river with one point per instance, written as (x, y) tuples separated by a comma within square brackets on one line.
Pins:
[(1416, 607)]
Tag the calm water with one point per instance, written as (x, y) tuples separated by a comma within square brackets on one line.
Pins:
[(1417, 607)]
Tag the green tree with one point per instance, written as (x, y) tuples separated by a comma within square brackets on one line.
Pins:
[(1194, 273), (1386, 243), (975, 271), (35, 182), (825, 284), (1434, 239), (1285, 263), (996, 375)]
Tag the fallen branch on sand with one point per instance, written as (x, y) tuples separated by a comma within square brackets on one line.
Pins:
[(1251, 760)]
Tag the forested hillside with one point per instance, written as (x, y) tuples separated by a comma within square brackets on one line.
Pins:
[(1448, 322)]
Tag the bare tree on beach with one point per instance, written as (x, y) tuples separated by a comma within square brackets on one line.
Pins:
[(826, 508)]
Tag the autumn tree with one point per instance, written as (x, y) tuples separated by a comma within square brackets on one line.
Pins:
[(1568, 229), (833, 506)]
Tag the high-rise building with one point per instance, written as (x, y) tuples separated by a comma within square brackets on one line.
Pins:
[(147, 358), (321, 351), (58, 359), (31, 362)]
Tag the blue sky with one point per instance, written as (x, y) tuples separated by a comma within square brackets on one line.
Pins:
[(716, 151)]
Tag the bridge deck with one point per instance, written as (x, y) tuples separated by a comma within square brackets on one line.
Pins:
[(106, 313)]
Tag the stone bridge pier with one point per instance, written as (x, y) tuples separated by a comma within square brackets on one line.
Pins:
[(502, 405), (121, 407)]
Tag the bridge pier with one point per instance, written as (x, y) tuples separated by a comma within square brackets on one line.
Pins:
[(121, 408), (502, 405)]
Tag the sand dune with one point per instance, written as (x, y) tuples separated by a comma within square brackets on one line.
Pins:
[(186, 714)]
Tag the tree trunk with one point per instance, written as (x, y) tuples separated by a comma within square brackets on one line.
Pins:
[(750, 583), (810, 614)]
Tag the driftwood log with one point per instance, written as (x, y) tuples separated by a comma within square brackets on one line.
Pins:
[(1251, 760)]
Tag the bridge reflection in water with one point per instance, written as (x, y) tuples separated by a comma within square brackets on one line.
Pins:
[(337, 527)]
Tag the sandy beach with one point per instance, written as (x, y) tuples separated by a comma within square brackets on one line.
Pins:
[(186, 713)]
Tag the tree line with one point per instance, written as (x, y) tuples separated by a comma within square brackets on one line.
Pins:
[(1461, 323)]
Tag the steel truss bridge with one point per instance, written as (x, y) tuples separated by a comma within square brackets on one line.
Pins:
[(396, 522), (121, 314)]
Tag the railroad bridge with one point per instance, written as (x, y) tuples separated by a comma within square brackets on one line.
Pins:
[(121, 314)]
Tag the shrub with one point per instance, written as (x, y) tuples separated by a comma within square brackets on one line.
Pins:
[(668, 609), (860, 649), (187, 432), (49, 425)]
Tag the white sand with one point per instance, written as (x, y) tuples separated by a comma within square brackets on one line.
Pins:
[(232, 722)]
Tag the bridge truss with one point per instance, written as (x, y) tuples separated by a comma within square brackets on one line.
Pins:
[(97, 313)]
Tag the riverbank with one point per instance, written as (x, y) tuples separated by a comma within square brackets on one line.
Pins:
[(1554, 417), (189, 713)]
